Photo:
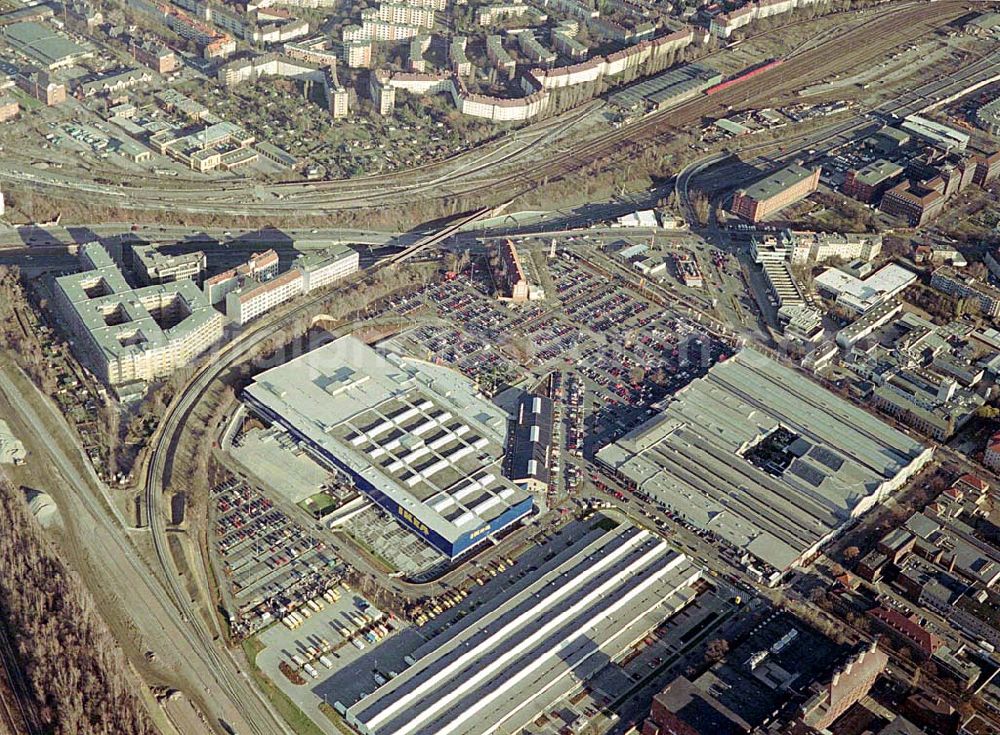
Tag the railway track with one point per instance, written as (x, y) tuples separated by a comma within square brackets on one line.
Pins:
[(260, 716), (21, 717), (375, 180), (494, 174), (868, 40)]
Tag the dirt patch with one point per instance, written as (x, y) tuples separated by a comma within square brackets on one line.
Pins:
[(291, 674)]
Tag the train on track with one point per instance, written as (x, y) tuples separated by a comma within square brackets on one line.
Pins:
[(744, 76)]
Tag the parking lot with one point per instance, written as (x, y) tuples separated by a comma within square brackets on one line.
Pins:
[(475, 356), (364, 646), (605, 359), (637, 354), (309, 661), (272, 563)]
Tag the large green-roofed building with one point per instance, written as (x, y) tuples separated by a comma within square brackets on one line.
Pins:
[(44, 45), (775, 191)]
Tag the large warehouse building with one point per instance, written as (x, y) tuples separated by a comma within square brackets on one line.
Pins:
[(775, 192), (764, 458), (500, 671), (415, 438)]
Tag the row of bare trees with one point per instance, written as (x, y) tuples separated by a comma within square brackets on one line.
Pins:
[(79, 676), (24, 347)]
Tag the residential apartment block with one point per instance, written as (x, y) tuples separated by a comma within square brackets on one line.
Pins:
[(256, 298), (320, 268), (459, 60), (400, 15), (127, 335), (956, 284), (261, 266), (256, 287)]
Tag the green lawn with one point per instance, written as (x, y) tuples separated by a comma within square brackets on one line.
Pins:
[(27, 101), (335, 719), (318, 505)]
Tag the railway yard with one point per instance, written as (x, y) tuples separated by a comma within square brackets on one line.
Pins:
[(641, 417), (554, 150)]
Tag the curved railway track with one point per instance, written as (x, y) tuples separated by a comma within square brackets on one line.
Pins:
[(492, 174), (868, 40), (21, 716)]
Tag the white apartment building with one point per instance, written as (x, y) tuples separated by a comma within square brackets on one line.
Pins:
[(324, 267), (432, 4), (396, 14), (383, 94), (126, 335), (357, 54), (818, 247), (255, 298), (311, 271), (261, 267), (154, 267), (373, 29), (339, 103)]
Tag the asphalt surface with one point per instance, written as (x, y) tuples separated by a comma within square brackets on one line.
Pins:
[(166, 616), (489, 171)]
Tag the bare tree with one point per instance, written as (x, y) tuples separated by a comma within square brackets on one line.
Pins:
[(716, 649), (78, 675)]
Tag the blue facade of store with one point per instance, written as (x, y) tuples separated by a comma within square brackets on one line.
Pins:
[(449, 547)]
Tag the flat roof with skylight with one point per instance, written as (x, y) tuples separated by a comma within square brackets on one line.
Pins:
[(417, 439), (502, 666), (769, 461)]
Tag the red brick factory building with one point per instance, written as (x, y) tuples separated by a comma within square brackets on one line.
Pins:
[(509, 274), (987, 168), (775, 192), (916, 203), (867, 184)]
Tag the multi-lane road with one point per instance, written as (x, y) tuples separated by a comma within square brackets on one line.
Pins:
[(223, 691), (515, 165)]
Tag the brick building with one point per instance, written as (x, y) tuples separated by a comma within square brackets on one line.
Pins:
[(948, 173), (987, 168), (867, 184), (684, 709), (905, 630), (915, 203), (991, 457), (776, 191), (848, 685), (160, 59), (509, 274), (41, 86)]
